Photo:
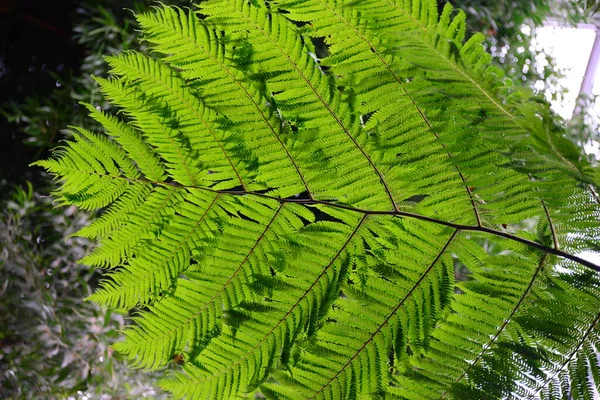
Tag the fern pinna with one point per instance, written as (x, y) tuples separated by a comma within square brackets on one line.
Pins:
[(336, 200)]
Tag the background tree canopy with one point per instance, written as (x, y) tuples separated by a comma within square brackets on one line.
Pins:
[(54, 351)]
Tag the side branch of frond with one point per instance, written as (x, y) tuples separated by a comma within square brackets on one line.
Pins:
[(302, 297), (392, 313), (585, 337), (333, 114), (489, 344), (419, 110)]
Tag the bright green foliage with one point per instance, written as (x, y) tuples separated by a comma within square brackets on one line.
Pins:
[(291, 223)]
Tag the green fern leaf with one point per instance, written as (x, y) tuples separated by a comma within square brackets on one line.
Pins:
[(336, 200)]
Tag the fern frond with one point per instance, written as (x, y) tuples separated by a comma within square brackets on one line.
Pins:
[(180, 163), (144, 223), (132, 142), (216, 287), (354, 34), (336, 200), (572, 378), (402, 308), (92, 178), (183, 114), (195, 226), (379, 92), (304, 96), (240, 360), (196, 51)]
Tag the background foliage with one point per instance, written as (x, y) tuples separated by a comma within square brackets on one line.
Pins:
[(47, 350), (51, 345)]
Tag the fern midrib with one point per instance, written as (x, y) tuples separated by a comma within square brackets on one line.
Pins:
[(551, 225), (327, 107), (260, 111), (200, 117), (460, 227), (587, 333), (391, 314), (505, 323), (377, 53), (549, 219), (293, 307)]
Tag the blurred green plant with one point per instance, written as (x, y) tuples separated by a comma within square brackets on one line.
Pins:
[(511, 26), (591, 6), (51, 345), (99, 29), (584, 127)]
